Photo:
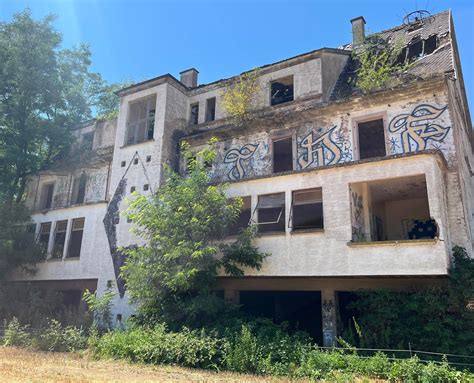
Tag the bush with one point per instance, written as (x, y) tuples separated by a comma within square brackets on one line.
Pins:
[(263, 348), (16, 334)]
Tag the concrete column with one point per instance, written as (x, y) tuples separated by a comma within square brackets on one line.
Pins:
[(232, 296), (366, 206), (329, 318)]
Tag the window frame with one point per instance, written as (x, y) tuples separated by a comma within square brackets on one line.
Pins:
[(367, 118), (293, 204), (44, 196), (84, 137), (196, 121), (71, 230), (150, 106), (279, 80), (56, 231), (281, 214), (82, 179), (231, 230), (40, 233), (274, 139), (206, 115)]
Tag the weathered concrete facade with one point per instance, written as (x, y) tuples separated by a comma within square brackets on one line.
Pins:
[(348, 190)]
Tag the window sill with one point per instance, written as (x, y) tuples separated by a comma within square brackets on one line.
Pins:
[(72, 258), (271, 233), (138, 143), (393, 242), (54, 260), (307, 231)]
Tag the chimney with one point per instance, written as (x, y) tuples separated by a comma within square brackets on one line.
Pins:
[(189, 77), (358, 31)]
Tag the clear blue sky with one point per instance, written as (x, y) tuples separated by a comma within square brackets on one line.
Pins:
[(140, 39)]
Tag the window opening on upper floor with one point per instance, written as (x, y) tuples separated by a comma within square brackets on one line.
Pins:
[(87, 141), (281, 91), (79, 189), (371, 139), (271, 213), (43, 237), (75, 240), (307, 209), (194, 118), (210, 109), (243, 219), (122, 164), (283, 155), (141, 120), (59, 239), (47, 192)]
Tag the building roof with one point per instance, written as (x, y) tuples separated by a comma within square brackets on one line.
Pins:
[(435, 63)]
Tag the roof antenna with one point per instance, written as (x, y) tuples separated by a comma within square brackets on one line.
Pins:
[(416, 16)]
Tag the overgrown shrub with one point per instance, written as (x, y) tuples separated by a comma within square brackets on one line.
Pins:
[(16, 334)]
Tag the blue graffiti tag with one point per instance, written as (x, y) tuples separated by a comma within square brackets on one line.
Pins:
[(417, 129), (235, 156)]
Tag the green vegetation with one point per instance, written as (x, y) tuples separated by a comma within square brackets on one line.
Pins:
[(378, 64), (173, 277), (435, 319)]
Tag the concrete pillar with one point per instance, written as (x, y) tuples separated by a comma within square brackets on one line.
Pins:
[(329, 317), (366, 206), (232, 296)]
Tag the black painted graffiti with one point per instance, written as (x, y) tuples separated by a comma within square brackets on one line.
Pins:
[(330, 148), (358, 218), (417, 128), (236, 156)]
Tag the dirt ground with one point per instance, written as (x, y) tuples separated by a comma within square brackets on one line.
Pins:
[(18, 365)]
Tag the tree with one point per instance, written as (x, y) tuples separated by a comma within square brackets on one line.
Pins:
[(107, 102), (174, 273), (44, 90)]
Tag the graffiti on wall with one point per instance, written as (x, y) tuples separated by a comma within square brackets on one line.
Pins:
[(330, 148), (417, 129), (235, 157), (358, 218)]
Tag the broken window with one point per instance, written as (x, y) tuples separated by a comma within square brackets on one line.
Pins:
[(43, 238), (415, 49), (243, 220), (271, 212), (59, 239), (430, 45), (79, 189), (87, 141), (194, 114), (75, 241), (283, 155), (307, 209), (210, 109), (47, 196), (281, 90), (371, 139), (141, 120)]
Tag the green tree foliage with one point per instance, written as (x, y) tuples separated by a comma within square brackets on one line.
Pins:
[(183, 224), (106, 101), (436, 319), (101, 307), (379, 64)]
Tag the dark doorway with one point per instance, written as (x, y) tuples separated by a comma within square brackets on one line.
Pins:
[(283, 155), (371, 139), (345, 322), (301, 309)]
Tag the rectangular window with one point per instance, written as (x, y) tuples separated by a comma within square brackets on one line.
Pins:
[(271, 212), (281, 91), (141, 120), (371, 139), (43, 238), (243, 220), (307, 209), (283, 155), (210, 109), (79, 189), (59, 239), (194, 119), (47, 196), (75, 241), (87, 141)]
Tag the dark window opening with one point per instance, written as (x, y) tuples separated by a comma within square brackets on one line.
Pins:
[(282, 91), (122, 164), (371, 139), (271, 212), (59, 239), (210, 109), (301, 309), (146, 187), (402, 56), (132, 189), (79, 189), (44, 233), (283, 155), (415, 50), (135, 161), (307, 212), (431, 44), (47, 196), (243, 220), (141, 120), (75, 242), (87, 141), (194, 114), (148, 158)]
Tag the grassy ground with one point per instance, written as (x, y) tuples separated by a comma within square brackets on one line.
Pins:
[(18, 365)]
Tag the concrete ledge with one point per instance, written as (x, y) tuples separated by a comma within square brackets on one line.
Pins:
[(394, 243)]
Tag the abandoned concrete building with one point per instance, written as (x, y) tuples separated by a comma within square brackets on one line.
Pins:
[(349, 190)]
